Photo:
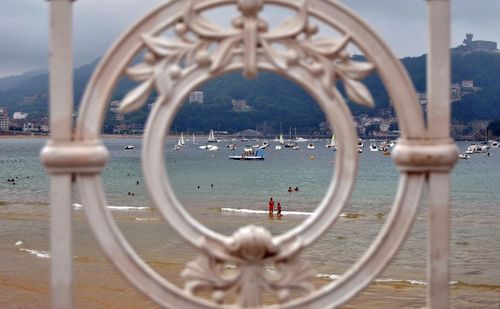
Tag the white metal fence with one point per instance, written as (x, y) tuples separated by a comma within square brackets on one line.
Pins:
[(202, 50)]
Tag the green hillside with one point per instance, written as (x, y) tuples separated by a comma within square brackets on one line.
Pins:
[(274, 101)]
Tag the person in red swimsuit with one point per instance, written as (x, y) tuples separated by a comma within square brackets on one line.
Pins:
[(271, 205)]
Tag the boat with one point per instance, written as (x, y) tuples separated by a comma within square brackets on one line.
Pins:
[(360, 150), (296, 147), (264, 145), (332, 144), (177, 147), (464, 156), (211, 137), (213, 148), (300, 140), (310, 146), (207, 147), (361, 143), (495, 144), (281, 140), (249, 155), (181, 140), (373, 147), (278, 147), (231, 146), (129, 147), (194, 140)]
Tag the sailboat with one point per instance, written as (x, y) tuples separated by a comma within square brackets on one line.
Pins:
[(181, 140), (282, 140), (332, 143), (211, 137), (194, 140)]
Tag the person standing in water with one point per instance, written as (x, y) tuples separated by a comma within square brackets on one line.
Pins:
[(271, 205), (279, 210)]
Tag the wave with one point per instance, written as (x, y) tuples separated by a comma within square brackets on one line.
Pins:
[(147, 219), (284, 212), (38, 253), (388, 280), (122, 208)]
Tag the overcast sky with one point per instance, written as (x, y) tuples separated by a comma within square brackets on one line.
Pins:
[(24, 26)]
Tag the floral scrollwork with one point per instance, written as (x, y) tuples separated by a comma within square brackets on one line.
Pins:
[(203, 44), (251, 250)]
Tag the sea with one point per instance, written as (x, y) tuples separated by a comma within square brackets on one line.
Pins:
[(225, 195)]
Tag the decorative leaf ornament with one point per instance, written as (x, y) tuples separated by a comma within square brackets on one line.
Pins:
[(251, 248), (168, 60)]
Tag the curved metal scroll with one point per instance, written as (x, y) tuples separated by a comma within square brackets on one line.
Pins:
[(203, 50)]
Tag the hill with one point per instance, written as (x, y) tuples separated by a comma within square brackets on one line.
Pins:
[(271, 101)]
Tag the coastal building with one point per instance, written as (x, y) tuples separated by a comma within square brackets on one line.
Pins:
[(19, 116), (113, 106), (196, 97), (28, 127), (4, 120), (456, 92)]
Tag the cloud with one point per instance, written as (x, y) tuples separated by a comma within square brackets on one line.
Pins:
[(97, 24)]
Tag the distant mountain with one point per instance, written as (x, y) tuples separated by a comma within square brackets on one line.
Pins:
[(271, 100), (10, 82)]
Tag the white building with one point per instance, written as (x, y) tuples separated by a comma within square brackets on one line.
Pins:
[(4, 120), (196, 97), (20, 115)]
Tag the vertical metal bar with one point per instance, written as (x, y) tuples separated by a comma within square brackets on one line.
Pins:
[(438, 87), (61, 109), (438, 70)]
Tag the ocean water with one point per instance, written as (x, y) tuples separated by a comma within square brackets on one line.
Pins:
[(225, 195)]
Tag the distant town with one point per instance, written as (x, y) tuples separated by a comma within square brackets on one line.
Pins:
[(381, 125)]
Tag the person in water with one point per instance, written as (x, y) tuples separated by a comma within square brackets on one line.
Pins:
[(279, 210), (271, 205), (296, 189), (290, 189)]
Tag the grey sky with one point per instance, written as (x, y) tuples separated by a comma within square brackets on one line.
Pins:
[(24, 26)]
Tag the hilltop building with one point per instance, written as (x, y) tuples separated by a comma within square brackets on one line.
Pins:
[(19, 116), (4, 120), (196, 97), (241, 106), (469, 45)]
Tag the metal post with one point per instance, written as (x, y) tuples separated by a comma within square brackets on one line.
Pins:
[(61, 109), (438, 87)]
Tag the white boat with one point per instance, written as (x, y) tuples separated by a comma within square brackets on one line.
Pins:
[(177, 147), (264, 145), (361, 143), (231, 146), (282, 141), (278, 147), (310, 146), (300, 140), (194, 140), (332, 143), (181, 140), (296, 147), (213, 148), (129, 147), (494, 144), (249, 155), (211, 137), (464, 156), (373, 147)]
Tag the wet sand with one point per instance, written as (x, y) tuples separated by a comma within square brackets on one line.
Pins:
[(24, 276)]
